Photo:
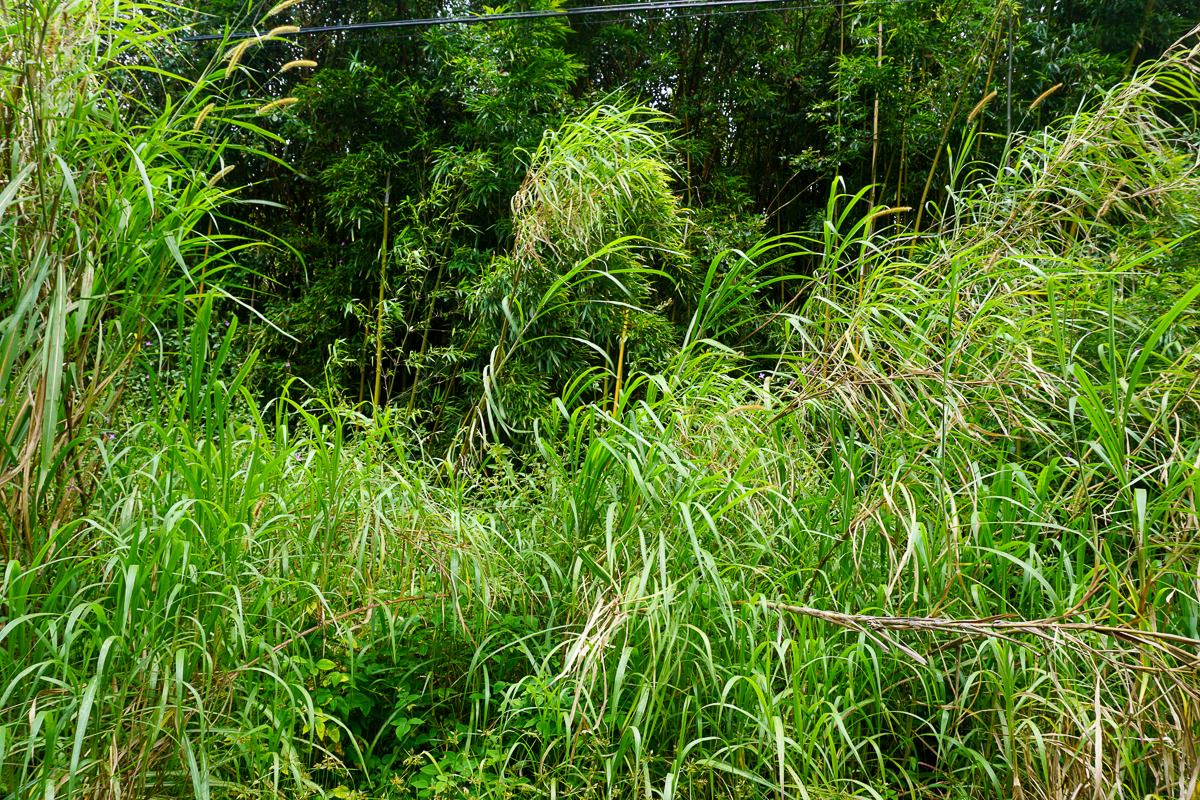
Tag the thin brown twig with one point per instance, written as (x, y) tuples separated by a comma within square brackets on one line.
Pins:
[(877, 628)]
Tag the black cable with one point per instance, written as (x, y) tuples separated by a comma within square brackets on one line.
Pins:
[(659, 18), (653, 5)]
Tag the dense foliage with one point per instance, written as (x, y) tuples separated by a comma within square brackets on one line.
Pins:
[(763, 107), (672, 405)]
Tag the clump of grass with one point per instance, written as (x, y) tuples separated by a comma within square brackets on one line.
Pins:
[(109, 220)]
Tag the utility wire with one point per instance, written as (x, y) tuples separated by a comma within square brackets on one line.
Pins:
[(578, 11), (658, 18)]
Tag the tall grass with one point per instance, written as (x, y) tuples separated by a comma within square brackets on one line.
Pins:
[(114, 170), (940, 542)]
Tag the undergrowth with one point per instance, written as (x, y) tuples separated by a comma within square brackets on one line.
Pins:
[(939, 543)]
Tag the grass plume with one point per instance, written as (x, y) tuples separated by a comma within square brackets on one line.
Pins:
[(1037, 101), (204, 112), (235, 53), (297, 63), (282, 102), (286, 4), (981, 105), (216, 178)]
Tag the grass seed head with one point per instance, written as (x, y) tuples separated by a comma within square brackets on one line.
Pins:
[(981, 105), (1038, 100), (274, 104), (745, 408), (217, 177), (281, 6), (200, 117), (235, 53), (303, 62), (883, 212)]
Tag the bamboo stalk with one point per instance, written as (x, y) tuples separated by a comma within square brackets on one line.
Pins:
[(1008, 110), (437, 282), (862, 261), (937, 155), (387, 195), (1137, 46), (875, 124), (366, 352)]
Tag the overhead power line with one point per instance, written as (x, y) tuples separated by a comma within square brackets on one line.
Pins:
[(579, 11), (655, 18)]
